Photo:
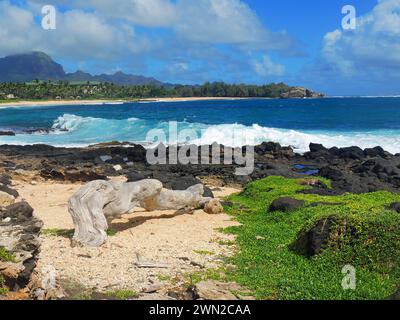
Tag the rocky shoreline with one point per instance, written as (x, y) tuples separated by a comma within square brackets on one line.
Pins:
[(350, 170)]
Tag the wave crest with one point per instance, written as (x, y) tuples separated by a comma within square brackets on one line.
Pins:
[(70, 129)]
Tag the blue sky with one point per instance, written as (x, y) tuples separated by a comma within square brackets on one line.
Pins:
[(186, 41)]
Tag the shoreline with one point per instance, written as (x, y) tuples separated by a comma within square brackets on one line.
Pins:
[(41, 103)]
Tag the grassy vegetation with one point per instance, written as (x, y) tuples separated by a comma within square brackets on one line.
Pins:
[(3, 288), (266, 264), (122, 294), (69, 233), (6, 256), (58, 233)]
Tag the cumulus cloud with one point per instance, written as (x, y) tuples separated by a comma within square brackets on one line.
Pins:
[(17, 32), (373, 47), (266, 67), (149, 13), (78, 34), (203, 39)]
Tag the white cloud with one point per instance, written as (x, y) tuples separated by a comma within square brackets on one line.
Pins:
[(220, 21), (17, 31), (207, 21), (374, 46), (149, 13), (266, 67), (78, 35), (203, 39)]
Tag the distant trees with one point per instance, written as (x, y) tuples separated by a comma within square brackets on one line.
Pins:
[(51, 89)]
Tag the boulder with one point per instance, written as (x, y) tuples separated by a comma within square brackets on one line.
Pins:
[(353, 153), (395, 296), (7, 133), (323, 234), (19, 236), (6, 199), (375, 152), (285, 204), (213, 290), (213, 207), (5, 179), (315, 147), (395, 206), (331, 173), (10, 191)]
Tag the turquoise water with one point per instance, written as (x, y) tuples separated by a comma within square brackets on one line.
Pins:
[(366, 122)]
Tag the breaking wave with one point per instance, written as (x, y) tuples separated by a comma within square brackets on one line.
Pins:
[(73, 130)]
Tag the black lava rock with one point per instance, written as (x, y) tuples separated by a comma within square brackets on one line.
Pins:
[(285, 205)]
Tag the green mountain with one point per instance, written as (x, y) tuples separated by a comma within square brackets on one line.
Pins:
[(28, 67), (38, 65)]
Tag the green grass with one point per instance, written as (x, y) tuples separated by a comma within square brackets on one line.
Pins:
[(6, 256), (265, 264), (69, 233), (122, 294), (3, 289), (58, 233)]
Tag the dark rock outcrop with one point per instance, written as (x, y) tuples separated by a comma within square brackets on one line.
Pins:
[(7, 133), (395, 206), (285, 205), (350, 169), (19, 236), (327, 232), (395, 296), (300, 92)]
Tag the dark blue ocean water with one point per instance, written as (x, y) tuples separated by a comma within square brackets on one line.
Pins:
[(365, 122)]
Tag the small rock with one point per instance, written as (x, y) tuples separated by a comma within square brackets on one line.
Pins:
[(34, 183), (6, 199), (105, 158), (212, 290), (7, 220), (213, 207), (20, 172), (260, 238), (151, 289), (117, 167)]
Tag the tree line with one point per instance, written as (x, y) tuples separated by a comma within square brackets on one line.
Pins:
[(65, 90)]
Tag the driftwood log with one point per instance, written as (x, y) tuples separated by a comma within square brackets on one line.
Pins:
[(98, 202)]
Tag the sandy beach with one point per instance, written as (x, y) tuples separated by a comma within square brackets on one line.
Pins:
[(187, 243), (40, 103)]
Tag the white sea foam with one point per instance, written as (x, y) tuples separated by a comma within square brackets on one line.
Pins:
[(73, 130)]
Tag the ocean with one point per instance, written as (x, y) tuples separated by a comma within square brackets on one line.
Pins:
[(341, 122)]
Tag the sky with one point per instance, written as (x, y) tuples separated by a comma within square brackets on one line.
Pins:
[(237, 41)]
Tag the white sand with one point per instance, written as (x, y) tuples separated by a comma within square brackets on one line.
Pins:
[(162, 237)]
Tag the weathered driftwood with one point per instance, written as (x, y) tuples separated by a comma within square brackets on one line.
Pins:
[(176, 199), (100, 201)]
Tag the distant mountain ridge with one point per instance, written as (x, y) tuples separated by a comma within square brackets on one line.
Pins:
[(38, 65)]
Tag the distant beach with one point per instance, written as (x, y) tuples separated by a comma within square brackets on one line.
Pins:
[(95, 102)]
